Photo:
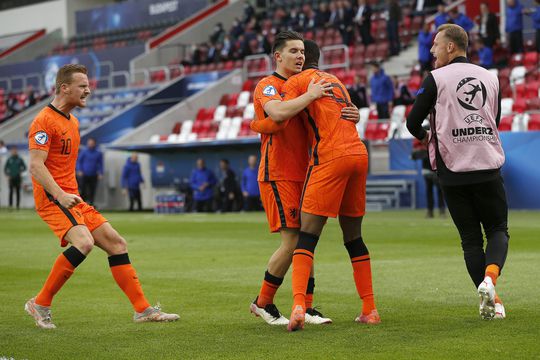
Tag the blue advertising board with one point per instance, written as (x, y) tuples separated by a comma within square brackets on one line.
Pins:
[(48, 67), (128, 13)]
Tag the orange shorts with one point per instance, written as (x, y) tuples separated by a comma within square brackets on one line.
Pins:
[(61, 220), (337, 187), (281, 200)]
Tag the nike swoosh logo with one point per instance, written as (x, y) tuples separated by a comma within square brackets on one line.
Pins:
[(64, 133)]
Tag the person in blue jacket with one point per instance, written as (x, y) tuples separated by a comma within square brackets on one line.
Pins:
[(89, 170), (131, 180), (535, 16), (442, 16), (461, 19), (485, 54), (514, 25), (250, 186), (425, 40), (382, 91), (202, 183)]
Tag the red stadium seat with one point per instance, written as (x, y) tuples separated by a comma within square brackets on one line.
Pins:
[(531, 89), (530, 59), (533, 103), (520, 90), (506, 123), (534, 122), (371, 130), (520, 105), (382, 131), (177, 127)]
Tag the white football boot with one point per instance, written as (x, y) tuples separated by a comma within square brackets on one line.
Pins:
[(41, 314), (154, 314), (269, 313), (499, 311), (314, 317)]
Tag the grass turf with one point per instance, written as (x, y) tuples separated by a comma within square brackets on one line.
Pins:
[(208, 268)]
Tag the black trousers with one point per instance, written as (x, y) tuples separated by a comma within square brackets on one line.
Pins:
[(88, 188), (253, 203), (515, 39), (473, 207), (431, 183), (14, 189), (383, 111), (135, 197), (203, 205)]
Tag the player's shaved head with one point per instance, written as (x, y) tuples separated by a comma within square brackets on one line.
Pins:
[(312, 54), (65, 74), (282, 38)]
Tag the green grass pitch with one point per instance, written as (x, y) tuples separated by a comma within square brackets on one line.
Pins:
[(208, 268)]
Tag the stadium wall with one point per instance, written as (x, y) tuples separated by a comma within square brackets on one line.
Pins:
[(50, 15), (521, 171)]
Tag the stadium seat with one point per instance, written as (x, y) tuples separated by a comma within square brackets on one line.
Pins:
[(517, 75), (154, 139), (220, 112), (533, 104), (224, 126), (243, 98), (534, 122), (506, 106), (371, 130), (506, 123), (249, 112), (520, 105), (530, 59), (531, 89)]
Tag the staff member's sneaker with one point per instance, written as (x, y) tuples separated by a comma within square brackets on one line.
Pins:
[(486, 293), (500, 314), (41, 314)]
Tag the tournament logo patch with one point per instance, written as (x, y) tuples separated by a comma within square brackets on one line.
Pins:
[(269, 90), (41, 138), (471, 94)]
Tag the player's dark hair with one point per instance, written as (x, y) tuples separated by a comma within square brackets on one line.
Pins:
[(455, 34), (312, 54), (282, 38), (65, 74), (225, 161)]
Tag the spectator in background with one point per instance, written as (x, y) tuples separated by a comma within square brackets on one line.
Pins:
[(420, 152), (358, 93), (382, 91), (392, 26), (455, 17), (425, 40), (514, 26), (363, 21), (250, 185), (488, 26), (13, 169), (3, 148), (89, 170), (322, 15), (344, 21), (218, 34), (131, 181), (441, 16), (485, 54), (202, 181), (228, 187), (402, 95), (535, 15), (424, 7)]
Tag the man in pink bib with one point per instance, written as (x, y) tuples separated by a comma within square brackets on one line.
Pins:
[(463, 102)]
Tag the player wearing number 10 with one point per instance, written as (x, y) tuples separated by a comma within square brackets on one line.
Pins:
[(53, 140)]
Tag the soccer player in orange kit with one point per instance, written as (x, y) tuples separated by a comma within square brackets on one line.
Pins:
[(335, 185), (53, 140)]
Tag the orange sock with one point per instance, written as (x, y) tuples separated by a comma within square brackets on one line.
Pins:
[(127, 280), (309, 292), (361, 264), (61, 271), (269, 287), (302, 263), (492, 271)]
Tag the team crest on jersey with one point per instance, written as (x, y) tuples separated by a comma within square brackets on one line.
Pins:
[(269, 90), (41, 138)]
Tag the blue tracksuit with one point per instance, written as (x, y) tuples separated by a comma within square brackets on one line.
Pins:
[(199, 177), (382, 88), (90, 162), (249, 182), (514, 18), (131, 175)]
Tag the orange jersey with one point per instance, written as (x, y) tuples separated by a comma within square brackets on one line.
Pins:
[(58, 135), (284, 155), (331, 136)]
